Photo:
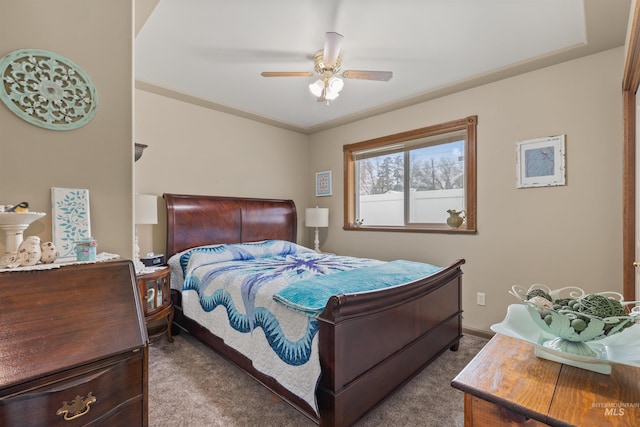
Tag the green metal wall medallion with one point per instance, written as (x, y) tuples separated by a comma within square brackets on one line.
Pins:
[(47, 89)]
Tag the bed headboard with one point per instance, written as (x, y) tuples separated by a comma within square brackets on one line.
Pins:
[(205, 220)]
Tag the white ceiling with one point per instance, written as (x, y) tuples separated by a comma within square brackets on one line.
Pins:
[(212, 52)]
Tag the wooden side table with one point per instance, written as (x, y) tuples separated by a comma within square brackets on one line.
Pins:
[(507, 385), (155, 295)]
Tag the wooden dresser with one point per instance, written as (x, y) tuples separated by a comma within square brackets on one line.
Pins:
[(507, 385), (73, 347)]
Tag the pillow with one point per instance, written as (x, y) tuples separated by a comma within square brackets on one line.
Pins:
[(183, 262)]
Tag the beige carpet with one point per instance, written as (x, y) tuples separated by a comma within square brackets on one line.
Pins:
[(191, 386)]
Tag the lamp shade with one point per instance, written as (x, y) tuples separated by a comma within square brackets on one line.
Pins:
[(146, 209), (316, 217)]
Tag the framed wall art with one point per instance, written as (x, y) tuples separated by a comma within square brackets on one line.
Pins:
[(323, 183), (540, 162), (70, 219)]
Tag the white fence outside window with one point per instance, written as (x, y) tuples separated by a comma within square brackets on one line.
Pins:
[(426, 207)]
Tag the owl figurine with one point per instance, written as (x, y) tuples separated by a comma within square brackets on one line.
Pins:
[(49, 253), (29, 251)]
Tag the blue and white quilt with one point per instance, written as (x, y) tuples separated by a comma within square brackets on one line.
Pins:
[(239, 292)]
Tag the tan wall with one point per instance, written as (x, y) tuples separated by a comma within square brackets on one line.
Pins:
[(558, 236), (96, 35), (196, 150)]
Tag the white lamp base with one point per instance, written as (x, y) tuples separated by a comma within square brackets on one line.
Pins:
[(137, 264), (316, 242)]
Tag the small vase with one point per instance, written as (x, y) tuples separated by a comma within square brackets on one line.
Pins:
[(455, 220)]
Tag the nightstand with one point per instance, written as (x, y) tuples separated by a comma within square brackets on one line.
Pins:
[(155, 295)]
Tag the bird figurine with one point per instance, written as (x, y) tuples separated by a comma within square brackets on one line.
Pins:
[(29, 251), (10, 261), (20, 207), (49, 253)]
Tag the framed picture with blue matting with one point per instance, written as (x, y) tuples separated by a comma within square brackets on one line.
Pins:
[(540, 162), (323, 183)]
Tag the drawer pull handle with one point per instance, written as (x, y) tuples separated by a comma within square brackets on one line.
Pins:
[(77, 408)]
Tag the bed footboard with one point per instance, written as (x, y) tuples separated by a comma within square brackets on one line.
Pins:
[(374, 342)]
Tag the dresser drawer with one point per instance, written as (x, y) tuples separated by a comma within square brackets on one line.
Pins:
[(106, 394)]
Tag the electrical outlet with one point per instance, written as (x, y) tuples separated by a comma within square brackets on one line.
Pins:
[(480, 298)]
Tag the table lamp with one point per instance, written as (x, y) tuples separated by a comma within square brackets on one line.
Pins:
[(146, 212), (316, 217)]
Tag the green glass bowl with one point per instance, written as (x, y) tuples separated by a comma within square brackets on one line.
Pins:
[(571, 336)]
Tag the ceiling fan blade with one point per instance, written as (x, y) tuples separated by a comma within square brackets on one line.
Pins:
[(286, 73), (332, 45), (383, 76)]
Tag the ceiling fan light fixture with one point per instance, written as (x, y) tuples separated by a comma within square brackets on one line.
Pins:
[(316, 88), (335, 84), (331, 95), (333, 87), (326, 89)]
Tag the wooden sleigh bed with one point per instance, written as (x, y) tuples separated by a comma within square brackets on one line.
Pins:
[(370, 344)]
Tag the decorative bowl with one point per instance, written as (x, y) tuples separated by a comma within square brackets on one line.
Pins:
[(13, 224), (19, 218), (577, 337)]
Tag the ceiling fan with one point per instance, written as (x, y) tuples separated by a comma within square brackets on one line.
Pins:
[(327, 63)]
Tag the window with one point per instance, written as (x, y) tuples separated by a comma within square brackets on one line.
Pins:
[(408, 181)]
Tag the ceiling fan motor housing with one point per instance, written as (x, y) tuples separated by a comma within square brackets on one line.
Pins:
[(323, 67)]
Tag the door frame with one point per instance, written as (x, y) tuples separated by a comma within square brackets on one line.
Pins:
[(630, 83)]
